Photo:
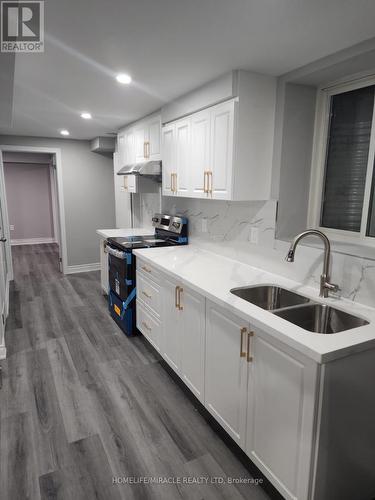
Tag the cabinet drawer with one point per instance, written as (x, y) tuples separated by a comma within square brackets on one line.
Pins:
[(149, 293), (147, 270), (148, 325)]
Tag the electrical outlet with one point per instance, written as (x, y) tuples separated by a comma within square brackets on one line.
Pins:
[(254, 235), (204, 225), (11, 227)]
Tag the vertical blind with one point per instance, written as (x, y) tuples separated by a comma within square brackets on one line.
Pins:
[(346, 160)]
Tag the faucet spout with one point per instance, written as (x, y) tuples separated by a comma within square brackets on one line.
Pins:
[(325, 285)]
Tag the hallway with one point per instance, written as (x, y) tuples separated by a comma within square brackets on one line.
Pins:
[(81, 403)]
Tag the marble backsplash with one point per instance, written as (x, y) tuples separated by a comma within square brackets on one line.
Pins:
[(230, 232)]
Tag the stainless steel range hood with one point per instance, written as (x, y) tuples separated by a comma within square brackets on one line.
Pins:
[(147, 168)]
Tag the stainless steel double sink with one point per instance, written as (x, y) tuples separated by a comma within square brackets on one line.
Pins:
[(299, 310)]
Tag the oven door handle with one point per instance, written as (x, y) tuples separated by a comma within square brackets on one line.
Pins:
[(116, 253)]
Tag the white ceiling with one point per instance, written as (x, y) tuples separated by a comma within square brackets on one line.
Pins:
[(169, 47)]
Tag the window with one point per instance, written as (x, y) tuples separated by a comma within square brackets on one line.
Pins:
[(345, 190)]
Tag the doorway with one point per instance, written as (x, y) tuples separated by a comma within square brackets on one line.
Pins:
[(40, 158)]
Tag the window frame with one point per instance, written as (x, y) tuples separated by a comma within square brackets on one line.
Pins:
[(319, 156)]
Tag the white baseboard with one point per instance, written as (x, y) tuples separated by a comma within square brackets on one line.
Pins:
[(83, 268), (33, 241)]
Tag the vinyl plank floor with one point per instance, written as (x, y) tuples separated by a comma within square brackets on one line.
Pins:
[(84, 410)]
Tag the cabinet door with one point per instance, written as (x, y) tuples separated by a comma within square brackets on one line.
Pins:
[(140, 140), (193, 341), (226, 371), (222, 128), (183, 156), (172, 323), (122, 200), (280, 415), (153, 140), (121, 151), (129, 154), (200, 153), (168, 154)]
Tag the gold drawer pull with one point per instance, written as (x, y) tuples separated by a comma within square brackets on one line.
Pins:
[(180, 290), (125, 182), (209, 183), (146, 294), (148, 270), (249, 357), (146, 326), (176, 297), (243, 330)]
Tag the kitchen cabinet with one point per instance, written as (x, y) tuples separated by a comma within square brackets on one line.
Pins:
[(147, 139), (226, 370), (282, 387), (169, 166), (220, 169), (122, 199), (182, 159), (173, 324), (104, 267), (200, 153), (228, 155), (184, 333)]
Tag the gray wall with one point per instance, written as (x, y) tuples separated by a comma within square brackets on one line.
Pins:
[(295, 159), (28, 188), (88, 194)]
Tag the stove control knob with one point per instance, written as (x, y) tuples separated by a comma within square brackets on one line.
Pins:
[(155, 219), (176, 225)]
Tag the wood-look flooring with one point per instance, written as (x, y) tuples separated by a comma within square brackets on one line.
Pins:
[(82, 404)]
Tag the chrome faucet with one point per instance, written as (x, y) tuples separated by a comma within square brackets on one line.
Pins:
[(325, 285)]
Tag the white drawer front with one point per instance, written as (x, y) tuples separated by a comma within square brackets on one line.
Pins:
[(148, 325), (149, 293), (147, 270)]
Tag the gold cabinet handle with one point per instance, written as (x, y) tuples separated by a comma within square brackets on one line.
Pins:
[(249, 358), (175, 183), (146, 326), (125, 182), (205, 177), (148, 149), (146, 294), (146, 269), (176, 297), (180, 307), (209, 183), (243, 330), (144, 149)]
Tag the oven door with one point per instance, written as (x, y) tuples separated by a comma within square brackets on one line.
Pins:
[(121, 271)]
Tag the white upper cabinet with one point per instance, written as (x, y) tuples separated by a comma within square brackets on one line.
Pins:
[(137, 143), (230, 145), (169, 163), (221, 160), (182, 179), (153, 141), (200, 153)]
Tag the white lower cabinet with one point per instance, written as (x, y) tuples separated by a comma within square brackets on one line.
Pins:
[(263, 394), (261, 391), (280, 415), (184, 329), (172, 327), (226, 370)]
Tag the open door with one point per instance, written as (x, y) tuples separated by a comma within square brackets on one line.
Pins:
[(6, 270)]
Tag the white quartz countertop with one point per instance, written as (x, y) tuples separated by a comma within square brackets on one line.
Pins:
[(118, 233), (214, 276)]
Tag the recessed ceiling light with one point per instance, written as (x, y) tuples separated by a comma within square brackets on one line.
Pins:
[(86, 116), (64, 132), (124, 78)]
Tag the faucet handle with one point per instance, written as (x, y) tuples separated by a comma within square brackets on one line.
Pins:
[(332, 287)]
